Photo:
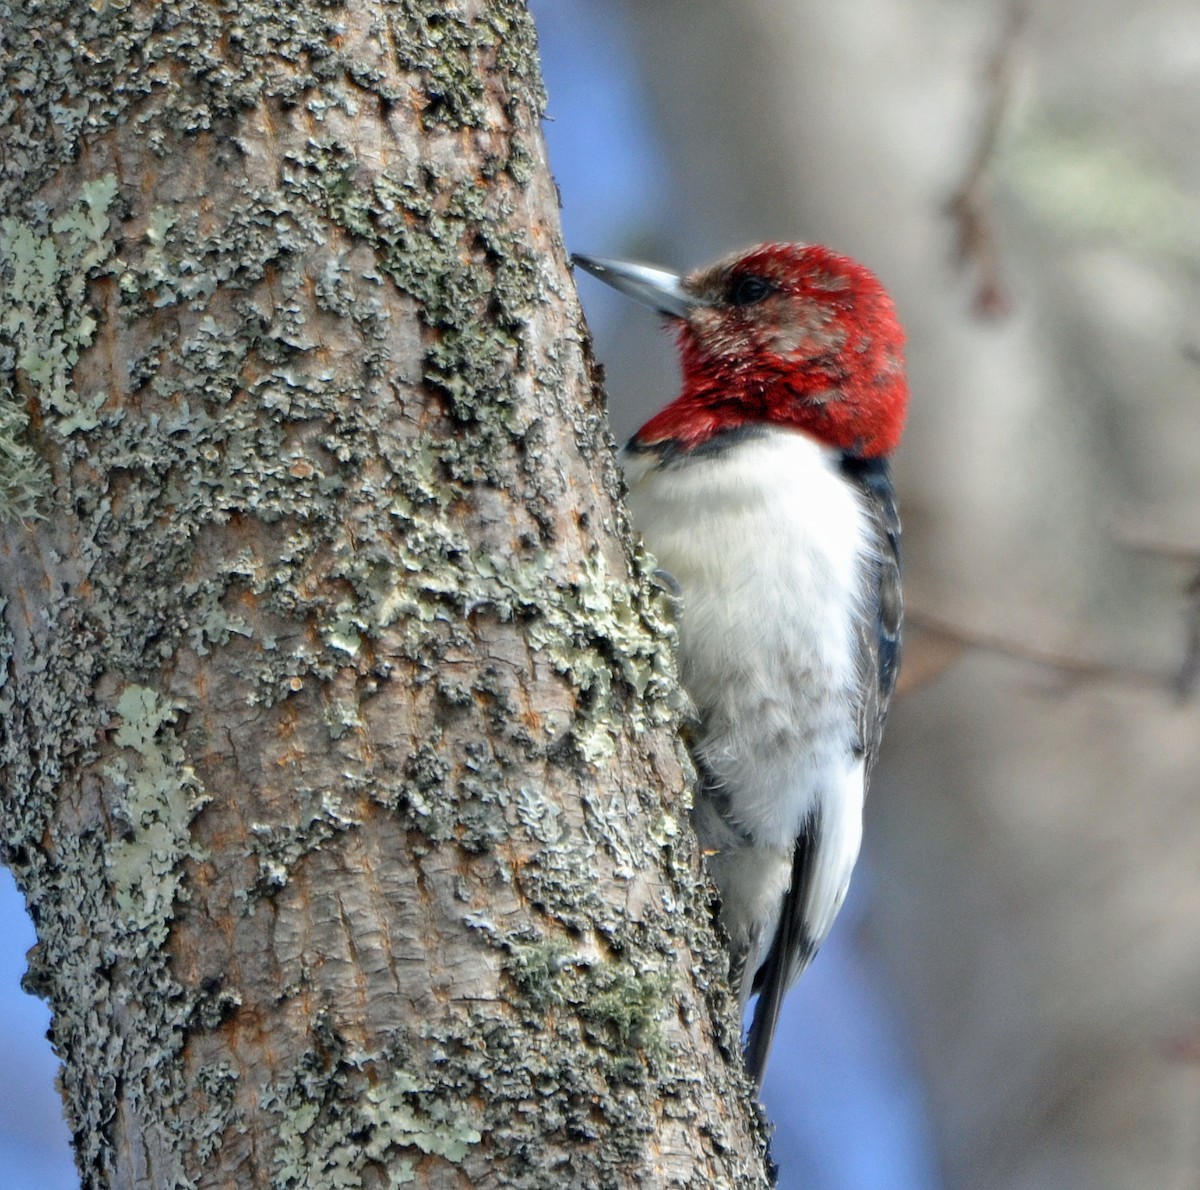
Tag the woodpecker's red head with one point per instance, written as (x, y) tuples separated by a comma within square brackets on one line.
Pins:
[(789, 334)]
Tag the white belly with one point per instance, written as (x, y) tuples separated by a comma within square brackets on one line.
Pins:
[(767, 542)]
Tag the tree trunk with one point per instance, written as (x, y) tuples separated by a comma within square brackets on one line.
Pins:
[(336, 714)]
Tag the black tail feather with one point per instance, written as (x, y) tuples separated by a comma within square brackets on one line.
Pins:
[(791, 951)]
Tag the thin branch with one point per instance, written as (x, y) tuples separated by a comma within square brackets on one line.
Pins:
[(926, 657), (959, 637), (969, 206)]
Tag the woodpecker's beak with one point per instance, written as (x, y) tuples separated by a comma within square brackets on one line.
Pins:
[(656, 288)]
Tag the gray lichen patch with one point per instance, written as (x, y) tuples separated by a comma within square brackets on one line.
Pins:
[(443, 48), (23, 475), (442, 240), (340, 1126), (277, 849), (456, 55), (45, 323), (605, 634), (550, 1119), (604, 630), (552, 1099), (104, 908), (156, 797)]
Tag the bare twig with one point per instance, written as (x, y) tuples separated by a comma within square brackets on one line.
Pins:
[(968, 206), (955, 638), (927, 655)]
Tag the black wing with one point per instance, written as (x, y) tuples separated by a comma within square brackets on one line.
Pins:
[(879, 660), (879, 626)]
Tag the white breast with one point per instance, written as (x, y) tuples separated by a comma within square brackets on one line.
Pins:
[(767, 542)]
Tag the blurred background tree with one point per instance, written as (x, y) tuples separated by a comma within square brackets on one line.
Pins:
[(1011, 1001)]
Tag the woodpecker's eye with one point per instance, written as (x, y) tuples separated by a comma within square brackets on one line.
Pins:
[(750, 289)]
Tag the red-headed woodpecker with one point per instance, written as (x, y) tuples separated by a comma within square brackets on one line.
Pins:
[(764, 490)]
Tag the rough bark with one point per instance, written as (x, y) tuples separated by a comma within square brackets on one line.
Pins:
[(337, 718)]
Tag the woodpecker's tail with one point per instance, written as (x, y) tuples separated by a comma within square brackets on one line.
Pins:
[(791, 951)]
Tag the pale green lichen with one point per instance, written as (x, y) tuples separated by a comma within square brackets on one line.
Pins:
[(624, 1004), (448, 50), (157, 797), (418, 225), (536, 968), (339, 1128), (45, 322), (108, 905), (344, 1122), (596, 629), (399, 1119)]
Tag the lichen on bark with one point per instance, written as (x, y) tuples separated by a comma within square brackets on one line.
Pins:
[(337, 711), (45, 323)]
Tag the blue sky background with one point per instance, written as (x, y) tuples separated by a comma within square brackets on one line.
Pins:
[(34, 1143), (841, 1087)]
